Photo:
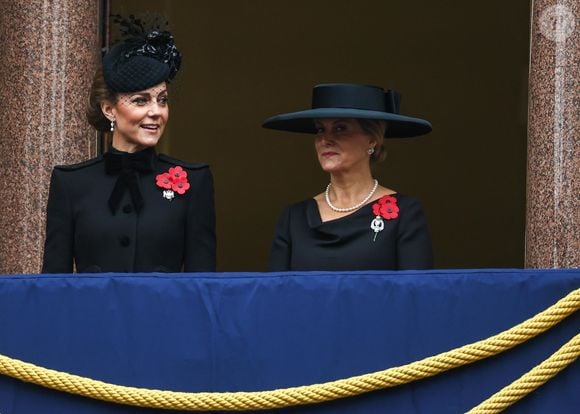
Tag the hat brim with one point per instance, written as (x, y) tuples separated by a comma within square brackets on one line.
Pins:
[(399, 126)]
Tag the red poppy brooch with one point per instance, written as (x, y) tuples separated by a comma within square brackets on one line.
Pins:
[(173, 181), (385, 208)]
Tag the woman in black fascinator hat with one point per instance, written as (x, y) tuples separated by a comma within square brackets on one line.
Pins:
[(132, 209), (355, 223)]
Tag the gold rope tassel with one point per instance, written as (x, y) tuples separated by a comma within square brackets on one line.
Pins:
[(532, 380), (310, 394)]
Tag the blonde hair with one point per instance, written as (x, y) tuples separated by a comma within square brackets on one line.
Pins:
[(376, 129)]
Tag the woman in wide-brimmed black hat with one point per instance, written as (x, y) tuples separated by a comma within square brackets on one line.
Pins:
[(355, 224), (131, 209)]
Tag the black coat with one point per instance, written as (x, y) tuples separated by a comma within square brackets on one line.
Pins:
[(164, 236)]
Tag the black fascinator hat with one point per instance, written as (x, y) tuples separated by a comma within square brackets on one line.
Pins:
[(142, 59), (347, 100)]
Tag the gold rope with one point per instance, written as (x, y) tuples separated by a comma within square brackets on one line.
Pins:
[(310, 394), (532, 380)]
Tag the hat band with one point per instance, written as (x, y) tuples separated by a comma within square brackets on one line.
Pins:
[(347, 96), (354, 97)]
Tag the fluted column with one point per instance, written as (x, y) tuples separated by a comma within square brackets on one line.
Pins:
[(553, 184), (49, 52)]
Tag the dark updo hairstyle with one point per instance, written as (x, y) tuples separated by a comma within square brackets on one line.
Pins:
[(100, 93)]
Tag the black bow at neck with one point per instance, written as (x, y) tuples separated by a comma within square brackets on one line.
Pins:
[(128, 166)]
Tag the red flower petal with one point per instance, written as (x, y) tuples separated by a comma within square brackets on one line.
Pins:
[(180, 187), (388, 199), (389, 211), (177, 173), (389, 208), (163, 181)]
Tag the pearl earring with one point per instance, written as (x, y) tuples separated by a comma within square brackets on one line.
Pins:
[(112, 125), (371, 151)]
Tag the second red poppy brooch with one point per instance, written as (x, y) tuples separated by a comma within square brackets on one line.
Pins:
[(385, 208), (173, 181)]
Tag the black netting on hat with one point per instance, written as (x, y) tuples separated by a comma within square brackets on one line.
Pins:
[(143, 59)]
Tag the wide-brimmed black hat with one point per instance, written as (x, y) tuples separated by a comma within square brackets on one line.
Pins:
[(347, 100), (141, 61)]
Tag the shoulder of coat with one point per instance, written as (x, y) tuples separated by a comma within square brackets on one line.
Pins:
[(80, 165), (174, 161)]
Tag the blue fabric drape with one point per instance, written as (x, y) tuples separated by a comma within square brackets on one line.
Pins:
[(261, 331)]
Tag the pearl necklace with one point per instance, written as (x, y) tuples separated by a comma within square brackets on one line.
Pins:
[(356, 207)]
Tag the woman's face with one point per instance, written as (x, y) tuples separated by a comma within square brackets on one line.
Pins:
[(140, 118), (341, 145)]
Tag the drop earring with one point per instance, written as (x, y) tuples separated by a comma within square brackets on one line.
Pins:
[(112, 125)]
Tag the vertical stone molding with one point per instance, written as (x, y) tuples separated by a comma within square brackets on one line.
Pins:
[(49, 53), (553, 187)]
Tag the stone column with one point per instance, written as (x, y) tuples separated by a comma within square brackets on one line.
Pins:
[(49, 52), (553, 187)]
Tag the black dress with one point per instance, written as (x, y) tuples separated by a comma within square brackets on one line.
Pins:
[(160, 234), (304, 242)]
